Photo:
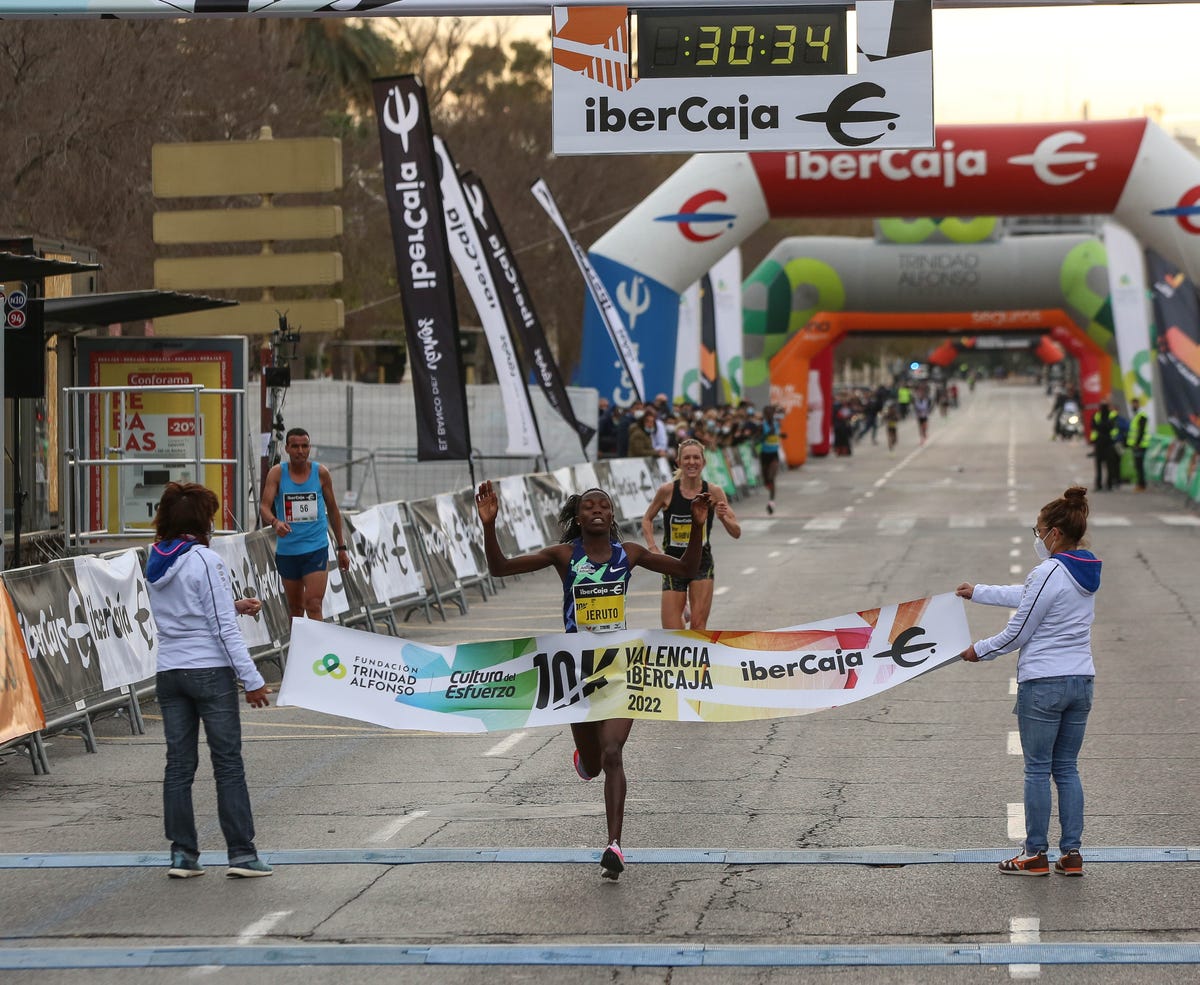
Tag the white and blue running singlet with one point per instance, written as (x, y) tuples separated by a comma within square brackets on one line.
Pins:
[(594, 595)]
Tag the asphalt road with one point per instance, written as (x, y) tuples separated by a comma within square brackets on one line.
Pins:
[(930, 770)]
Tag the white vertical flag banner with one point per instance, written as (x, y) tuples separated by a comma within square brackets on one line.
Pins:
[(1131, 319), (687, 347), (726, 278), (608, 311), (468, 255)]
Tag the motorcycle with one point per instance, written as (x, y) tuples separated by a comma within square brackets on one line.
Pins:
[(1069, 426)]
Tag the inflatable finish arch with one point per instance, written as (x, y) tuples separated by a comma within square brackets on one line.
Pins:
[(1130, 169), (790, 366), (804, 275)]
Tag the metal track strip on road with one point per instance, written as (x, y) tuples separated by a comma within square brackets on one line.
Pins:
[(553, 856), (608, 955)]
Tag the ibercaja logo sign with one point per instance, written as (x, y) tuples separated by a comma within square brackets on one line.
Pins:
[(742, 79)]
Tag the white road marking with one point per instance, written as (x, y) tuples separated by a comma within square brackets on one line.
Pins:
[(1024, 930), (1017, 540), (1014, 569), (1110, 521), (262, 926), (252, 932), (1015, 552), (1179, 520), (501, 747), (792, 541), (1012, 685), (1014, 743), (720, 591), (749, 571), (958, 520), (896, 525), (391, 829), (774, 554), (825, 523), (1016, 822)]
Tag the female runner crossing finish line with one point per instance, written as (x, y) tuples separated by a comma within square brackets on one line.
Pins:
[(594, 566)]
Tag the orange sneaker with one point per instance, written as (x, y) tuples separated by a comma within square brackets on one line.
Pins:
[(1069, 863), (1026, 865)]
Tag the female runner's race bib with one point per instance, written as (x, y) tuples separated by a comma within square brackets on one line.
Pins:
[(600, 606)]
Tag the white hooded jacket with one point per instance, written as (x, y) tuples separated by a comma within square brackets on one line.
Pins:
[(192, 602)]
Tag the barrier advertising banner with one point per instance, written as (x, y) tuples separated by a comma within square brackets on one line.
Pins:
[(20, 708), (118, 609), (63, 652), (518, 305), (387, 561), (410, 179), (235, 552), (663, 675)]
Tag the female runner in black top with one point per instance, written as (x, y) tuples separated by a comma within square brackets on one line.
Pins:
[(673, 500)]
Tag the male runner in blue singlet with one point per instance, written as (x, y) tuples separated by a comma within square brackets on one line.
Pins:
[(299, 505), (594, 566)]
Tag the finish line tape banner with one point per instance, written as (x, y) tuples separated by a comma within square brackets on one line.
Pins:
[(667, 675)]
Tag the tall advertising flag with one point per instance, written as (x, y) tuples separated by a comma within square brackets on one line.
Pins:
[(608, 312), (709, 371), (726, 277), (518, 304), (423, 268), (1130, 315), (687, 346), (468, 254)]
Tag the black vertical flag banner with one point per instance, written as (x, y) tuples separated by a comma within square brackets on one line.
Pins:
[(412, 185), (1177, 345), (708, 345), (518, 304)]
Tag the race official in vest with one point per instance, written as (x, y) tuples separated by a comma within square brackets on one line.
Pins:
[(299, 505), (1139, 441), (1104, 436)]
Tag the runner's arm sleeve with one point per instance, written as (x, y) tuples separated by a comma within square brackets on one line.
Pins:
[(1036, 600), (219, 600)]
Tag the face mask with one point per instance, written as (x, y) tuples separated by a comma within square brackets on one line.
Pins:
[(1040, 549)]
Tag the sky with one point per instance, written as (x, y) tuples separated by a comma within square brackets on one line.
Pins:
[(1027, 64)]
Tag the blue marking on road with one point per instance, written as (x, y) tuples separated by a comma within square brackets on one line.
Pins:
[(551, 856), (608, 955)]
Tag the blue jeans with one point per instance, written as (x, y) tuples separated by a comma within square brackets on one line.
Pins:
[(187, 698), (1052, 714)]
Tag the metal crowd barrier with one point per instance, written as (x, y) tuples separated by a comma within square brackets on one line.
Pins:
[(85, 617)]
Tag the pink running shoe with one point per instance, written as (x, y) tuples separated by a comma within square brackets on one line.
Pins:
[(612, 862), (579, 766)]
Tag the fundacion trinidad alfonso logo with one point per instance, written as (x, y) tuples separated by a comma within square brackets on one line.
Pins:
[(329, 666)]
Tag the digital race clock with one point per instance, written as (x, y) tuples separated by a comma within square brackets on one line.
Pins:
[(728, 42)]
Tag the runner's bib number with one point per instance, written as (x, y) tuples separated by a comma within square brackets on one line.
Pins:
[(300, 507), (681, 530), (600, 608)]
